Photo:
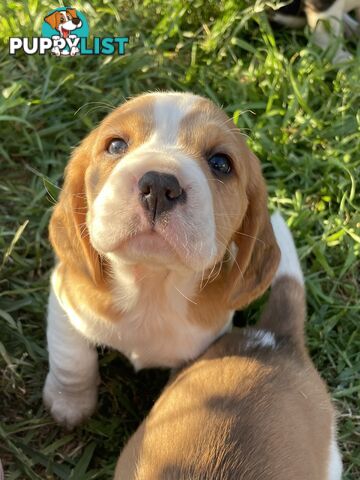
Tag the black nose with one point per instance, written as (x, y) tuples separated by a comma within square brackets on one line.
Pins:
[(159, 193), (76, 21)]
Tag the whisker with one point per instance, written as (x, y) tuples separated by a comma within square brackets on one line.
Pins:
[(234, 258), (189, 299), (251, 236), (99, 104)]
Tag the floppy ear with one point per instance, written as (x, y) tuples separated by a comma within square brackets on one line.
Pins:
[(72, 12), (52, 20), (69, 235), (258, 254)]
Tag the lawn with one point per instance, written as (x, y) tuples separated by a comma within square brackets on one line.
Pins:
[(301, 115)]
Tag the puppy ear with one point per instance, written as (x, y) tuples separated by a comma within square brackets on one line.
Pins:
[(52, 20), (258, 254), (69, 235), (72, 12)]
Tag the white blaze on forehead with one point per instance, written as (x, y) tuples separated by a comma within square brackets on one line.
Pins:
[(169, 111)]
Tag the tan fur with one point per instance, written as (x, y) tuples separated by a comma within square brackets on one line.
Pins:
[(240, 413), (240, 214)]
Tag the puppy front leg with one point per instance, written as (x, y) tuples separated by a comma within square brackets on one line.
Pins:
[(70, 390)]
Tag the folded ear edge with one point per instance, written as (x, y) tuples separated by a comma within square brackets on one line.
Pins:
[(258, 253), (259, 273), (67, 229)]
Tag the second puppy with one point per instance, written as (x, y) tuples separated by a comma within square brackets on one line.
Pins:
[(317, 13), (253, 407)]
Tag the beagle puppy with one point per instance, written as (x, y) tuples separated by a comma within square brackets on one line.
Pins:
[(252, 407), (316, 13), (161, 231)]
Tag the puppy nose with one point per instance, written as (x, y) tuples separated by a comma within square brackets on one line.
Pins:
[(76, 21), (159, 193)]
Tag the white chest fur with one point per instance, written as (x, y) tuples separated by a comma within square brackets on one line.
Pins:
[(154, 329)]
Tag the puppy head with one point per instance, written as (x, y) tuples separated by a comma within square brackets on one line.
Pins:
[(167, 180)]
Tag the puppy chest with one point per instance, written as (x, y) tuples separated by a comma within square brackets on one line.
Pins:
[(151, 334), (153, 337)]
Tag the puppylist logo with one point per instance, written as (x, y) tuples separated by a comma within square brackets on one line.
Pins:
[(65, 32)]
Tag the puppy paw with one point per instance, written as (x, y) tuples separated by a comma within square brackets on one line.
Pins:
[(69, 408)]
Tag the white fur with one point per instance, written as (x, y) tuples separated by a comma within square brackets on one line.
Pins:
[(289, 263), (169, 110), (291, 21), (152, 334), (260, 338), (154, 331), (333, 14), (351, 5), (70, 390), (144, 334), (335, 463)]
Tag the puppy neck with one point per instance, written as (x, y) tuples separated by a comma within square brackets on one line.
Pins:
[(134, 282)]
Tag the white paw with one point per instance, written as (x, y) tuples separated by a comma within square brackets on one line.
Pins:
[(69, 408)]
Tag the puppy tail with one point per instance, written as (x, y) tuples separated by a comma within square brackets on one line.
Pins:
[(285, 311)]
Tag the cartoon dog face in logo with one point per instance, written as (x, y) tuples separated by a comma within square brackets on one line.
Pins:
[(64, 21)]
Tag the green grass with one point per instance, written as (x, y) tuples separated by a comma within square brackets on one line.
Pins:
[(301, 116)]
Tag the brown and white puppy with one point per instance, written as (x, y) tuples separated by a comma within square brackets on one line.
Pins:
[(161, 232), (316, 13), (252, 407)]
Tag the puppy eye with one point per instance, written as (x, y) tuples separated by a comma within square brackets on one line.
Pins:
[(116, 146), (220, 163)]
